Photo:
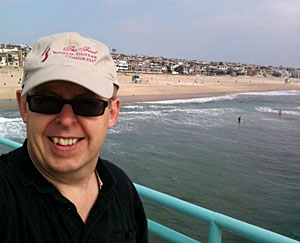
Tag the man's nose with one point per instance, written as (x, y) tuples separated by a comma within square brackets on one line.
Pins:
[(66, 117)]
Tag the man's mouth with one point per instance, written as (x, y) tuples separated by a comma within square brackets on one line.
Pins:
[(64, 141)]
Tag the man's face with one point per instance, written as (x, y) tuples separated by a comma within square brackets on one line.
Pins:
[(86, 133)]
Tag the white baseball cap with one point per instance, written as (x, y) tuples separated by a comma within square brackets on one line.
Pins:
[(70, 57)]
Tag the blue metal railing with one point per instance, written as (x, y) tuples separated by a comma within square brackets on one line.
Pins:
[(217, 222)]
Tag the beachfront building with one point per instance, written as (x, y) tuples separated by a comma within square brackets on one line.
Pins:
[(13, 59), (295, 73), (9, 58), (3, 61), (139, 66), (164, 69), (122, 66), (155, 67), (13, 55)]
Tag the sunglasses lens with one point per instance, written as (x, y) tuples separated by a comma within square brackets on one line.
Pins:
[(89, 107), (44, 104), (53, 105)]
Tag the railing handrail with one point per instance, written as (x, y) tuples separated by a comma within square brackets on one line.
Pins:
[(225, 222), (216, 221)]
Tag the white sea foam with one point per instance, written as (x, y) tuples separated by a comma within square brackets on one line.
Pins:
[(225, 97), (173, 110), (12, 128), (153, 113), (274, 93), (271, 110), (132, 107), (266, 109), (4, 119), (294, 113), (207, 112), (161, 106), (194, 100), (115, 131)]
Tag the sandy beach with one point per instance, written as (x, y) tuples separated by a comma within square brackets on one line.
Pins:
[(161, 86)]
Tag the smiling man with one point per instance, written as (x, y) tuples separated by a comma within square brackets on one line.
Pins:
[(56, 188)]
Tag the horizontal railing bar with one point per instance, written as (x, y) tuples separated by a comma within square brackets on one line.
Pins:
[(176, 204), (10, 143), (168, 234), (250, 231), (236, 226)]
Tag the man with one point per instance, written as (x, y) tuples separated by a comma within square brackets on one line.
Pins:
[(56, 188)]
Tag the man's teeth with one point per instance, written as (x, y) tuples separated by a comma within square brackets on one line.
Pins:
[(64, 141)]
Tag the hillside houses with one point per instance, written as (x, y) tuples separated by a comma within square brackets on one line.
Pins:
[(14, 55), (145, 64)]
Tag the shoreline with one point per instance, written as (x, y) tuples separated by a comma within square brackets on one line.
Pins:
[(156, 87), (11, 104), (148, 98)]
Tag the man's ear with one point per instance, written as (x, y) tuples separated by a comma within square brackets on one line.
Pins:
[(22, 105), (114, 112)]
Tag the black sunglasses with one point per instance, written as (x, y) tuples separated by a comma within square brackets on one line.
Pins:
[(53, 105)]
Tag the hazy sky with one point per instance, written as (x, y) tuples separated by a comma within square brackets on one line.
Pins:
[(265, 32)]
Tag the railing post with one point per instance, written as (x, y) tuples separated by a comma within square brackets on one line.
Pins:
[(215, 233)]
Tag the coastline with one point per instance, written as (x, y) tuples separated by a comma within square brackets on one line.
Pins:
[(11, 104), (156, 87)]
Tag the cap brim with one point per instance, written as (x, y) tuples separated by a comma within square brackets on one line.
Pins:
[(80, 76)]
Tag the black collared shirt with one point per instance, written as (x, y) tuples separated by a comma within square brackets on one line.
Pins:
[(32, 210)]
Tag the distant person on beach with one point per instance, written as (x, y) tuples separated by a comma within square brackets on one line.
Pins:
[(239, 119), (56, 188), (280, 112)]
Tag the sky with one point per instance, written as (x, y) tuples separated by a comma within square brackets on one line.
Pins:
[(262, 32)]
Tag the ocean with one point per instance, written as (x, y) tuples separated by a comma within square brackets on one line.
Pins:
[(196, 150)]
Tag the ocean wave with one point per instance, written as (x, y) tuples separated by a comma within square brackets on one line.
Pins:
[(294, 113), (271, 110), (115, 131), (212, 111), (155, 113), (266, 109), (194, 100), (4, 119), (132, 107), (173, 110), (161, 106), (274, 93), (12, 128)]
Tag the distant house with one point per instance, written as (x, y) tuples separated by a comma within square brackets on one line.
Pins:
[(155, 67), (181, 69), (3, 61), (140, 67), (295, 74), (12, 57), (9, 58), (122, 66)]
